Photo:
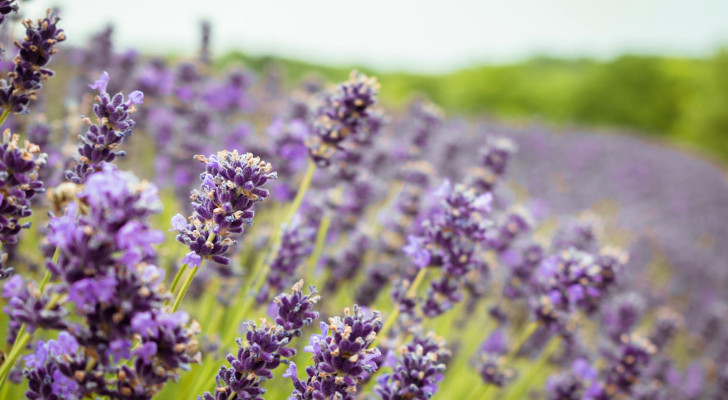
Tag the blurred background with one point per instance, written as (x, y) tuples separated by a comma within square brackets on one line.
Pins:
[(653, 67)]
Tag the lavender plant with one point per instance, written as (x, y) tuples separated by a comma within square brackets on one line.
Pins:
[(516, 263)]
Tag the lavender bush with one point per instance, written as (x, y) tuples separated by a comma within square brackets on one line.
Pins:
[(471, 260)]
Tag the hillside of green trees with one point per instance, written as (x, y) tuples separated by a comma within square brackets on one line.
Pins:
[(684, 100)]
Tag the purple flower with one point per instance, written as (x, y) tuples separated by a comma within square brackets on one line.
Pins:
[(415, 376), (63, 386), (19, 184), (57, 371), (26, 305), (296, 245), (627, 362), (34, 54), (146, 351), (192, 259), (120, 349), (256, 358), (343, 357), (101, 83), (492, 371), (265, 346), (231, 185), (341, 114), (416, 249), (88, 292), (295, 310), (136, 97), (179, 222), (100, 142), (496, 342), (13, 287), (136, 240)]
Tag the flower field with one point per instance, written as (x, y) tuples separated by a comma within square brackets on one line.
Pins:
[(175, 230)]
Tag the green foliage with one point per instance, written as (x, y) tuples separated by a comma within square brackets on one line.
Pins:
[(683, 100)]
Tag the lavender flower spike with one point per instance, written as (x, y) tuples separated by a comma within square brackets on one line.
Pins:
[(100, 143), (416, 374), (341, 114), (342, 359), (231, 185), (264, 347), (35, 51), (19, 183)]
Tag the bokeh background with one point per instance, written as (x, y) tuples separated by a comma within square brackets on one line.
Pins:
[(653, 67)]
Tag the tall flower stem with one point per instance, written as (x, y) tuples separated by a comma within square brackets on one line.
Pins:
[(262, 266), (481, 394), (318, 249), (302, 188), (188, 281), (177, 277), (4, 116), (520, 388), (183, 291), (20, 342), (530, 329), (411, 292)]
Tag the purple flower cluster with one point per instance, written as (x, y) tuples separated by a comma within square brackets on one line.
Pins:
[(99, 144), (522, 264), (341, 114), (450, 236), (626, 363), (417, 371), (424, 121), (26, 305), (493, 371), (231, 185), (491, 364), (58, 371), (19, 183), (580, 383), (343, 357), (105, 267), (35, 51), (494, 158), (296, 245), (264, 347), (573, 280)]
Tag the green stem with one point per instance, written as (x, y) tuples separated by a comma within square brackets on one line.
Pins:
[(188, 281), (183, 291), (482, 393), (177, 277), (530, 329), (519, 389), (20, 343), (302, 188), (4, 116), (412, 291), (323, 229)]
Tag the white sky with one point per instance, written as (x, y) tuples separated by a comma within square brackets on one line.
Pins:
[(424, 35)]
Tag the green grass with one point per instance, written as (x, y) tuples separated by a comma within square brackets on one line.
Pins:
[(684, 100)]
